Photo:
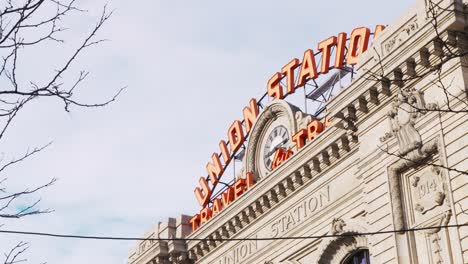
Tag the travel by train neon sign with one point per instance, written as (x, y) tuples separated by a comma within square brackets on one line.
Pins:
[(346, 51)]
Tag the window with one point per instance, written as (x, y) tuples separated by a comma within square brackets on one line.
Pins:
[(358, 257)]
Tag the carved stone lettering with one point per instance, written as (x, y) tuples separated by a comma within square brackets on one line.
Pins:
[(309, 207), (400, 36), (239, 253), (427, 190)]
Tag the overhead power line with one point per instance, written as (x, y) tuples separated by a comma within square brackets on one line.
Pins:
[(224, 239)]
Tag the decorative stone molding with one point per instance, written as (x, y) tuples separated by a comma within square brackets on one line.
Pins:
[(335, 249), (410, 160), (276, 109), (407, 107)]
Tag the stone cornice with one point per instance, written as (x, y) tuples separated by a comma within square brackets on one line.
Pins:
[(363, 97), (404, 63), (300, 169)]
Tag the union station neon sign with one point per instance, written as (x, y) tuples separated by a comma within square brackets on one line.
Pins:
[(351, 48)]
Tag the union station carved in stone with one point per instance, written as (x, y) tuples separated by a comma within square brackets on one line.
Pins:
[(394, 158)]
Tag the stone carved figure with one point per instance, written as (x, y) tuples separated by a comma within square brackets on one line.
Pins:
[(407, 106), (337, 226)]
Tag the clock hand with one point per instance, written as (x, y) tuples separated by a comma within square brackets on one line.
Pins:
[(273, 150)]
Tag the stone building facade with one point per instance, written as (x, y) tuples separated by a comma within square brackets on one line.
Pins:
[(394, 159)]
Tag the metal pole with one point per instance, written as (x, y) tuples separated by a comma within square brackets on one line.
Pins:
[(305, 100)]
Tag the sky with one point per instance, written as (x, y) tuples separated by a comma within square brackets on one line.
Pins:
[(189, 68)]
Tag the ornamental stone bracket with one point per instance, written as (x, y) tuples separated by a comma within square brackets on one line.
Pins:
[(286, 186)]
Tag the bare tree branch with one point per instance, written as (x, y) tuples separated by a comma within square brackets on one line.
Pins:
[(23, 25)]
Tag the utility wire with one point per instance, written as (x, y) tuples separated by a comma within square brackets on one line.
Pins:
[(226, 239)]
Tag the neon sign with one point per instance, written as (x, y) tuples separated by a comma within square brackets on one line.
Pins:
[(357, 44)]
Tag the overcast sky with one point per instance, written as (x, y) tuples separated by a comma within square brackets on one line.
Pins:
[(190, 68)]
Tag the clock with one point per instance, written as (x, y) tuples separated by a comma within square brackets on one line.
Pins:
[(277, 138), (272, 130)]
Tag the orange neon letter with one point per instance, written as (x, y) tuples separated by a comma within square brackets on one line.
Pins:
[(358, 43), (195, 222), (313, 128), (224, 152), (250, 114), (215, 170), (308, 68), (203, 196), (239, 187), (378, 30), (236, 136), (274, 88), (227, 196), (288, 71), (325, 47), (249, 178), (340, 50), (278, 158), (205, 215), (299, 138), (217, 206)]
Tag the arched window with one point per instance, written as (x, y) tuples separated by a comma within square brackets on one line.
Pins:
[(358, 257)]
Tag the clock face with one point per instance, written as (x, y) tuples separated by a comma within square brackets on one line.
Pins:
[(277, 138)]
